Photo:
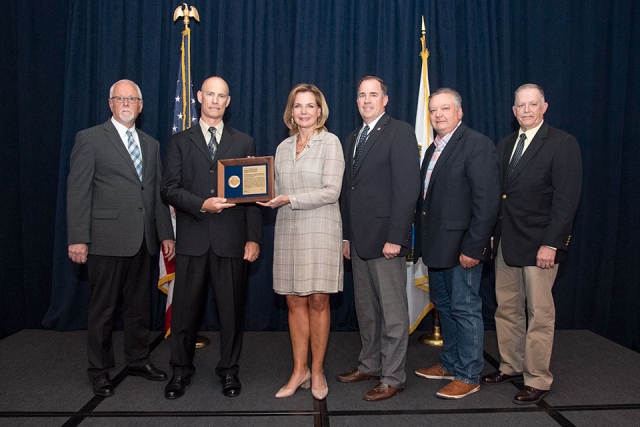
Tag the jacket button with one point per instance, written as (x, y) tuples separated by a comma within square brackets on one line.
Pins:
[(211, 171), (213, 191), (504, 196), (139, 209)]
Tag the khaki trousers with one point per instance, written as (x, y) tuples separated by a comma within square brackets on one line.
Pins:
[(525, 348)]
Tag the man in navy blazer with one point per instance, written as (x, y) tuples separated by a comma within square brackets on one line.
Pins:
[(214, 239), (114, 219), (541, 178), (379, 189), (455, 215)]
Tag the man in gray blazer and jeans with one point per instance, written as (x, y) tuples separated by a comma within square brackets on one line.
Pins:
[(115, 217)]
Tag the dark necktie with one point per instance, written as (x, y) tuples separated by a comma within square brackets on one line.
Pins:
[(134, 152), (213, 145), (361, 142), (516, 157)]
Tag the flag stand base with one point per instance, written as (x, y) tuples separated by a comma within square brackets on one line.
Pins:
[(202, 342), (434, 338)]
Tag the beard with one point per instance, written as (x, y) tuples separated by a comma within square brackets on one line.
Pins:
[(127, 116)]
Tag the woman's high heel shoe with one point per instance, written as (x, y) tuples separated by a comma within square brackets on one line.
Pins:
[(321, 394), (286, 392)]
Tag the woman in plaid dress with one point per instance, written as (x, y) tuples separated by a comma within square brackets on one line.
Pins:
[(307, 264)]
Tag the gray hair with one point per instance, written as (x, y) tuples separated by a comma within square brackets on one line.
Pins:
[(457, 99), (528, 86), (125, 80)]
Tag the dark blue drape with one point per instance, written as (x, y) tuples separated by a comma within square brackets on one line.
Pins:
[(584, 53)]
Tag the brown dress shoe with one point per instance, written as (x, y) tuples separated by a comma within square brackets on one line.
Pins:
[(381, 391), (355, 376), (457, 389), (435, 372), (499, 377), (529, 395)]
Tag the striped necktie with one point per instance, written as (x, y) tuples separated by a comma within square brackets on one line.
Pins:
[(134, 152), (213, 144)]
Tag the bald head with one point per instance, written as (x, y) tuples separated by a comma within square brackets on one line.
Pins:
[(214, 98)]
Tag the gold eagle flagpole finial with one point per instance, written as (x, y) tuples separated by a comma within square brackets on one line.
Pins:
[(185, 12)]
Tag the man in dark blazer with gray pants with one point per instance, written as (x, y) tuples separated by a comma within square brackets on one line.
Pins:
[(379, 190), (214, 239), (114, 219), (541, 178), (455, 216)]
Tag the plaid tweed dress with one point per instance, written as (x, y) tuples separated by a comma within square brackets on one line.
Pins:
[(307, 256)]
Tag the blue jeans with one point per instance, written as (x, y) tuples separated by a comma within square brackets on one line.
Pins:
[(455, 293)]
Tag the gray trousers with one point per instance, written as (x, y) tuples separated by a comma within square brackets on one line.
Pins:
[(381, 306)]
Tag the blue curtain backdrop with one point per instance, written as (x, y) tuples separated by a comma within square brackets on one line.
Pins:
[(584, 53)]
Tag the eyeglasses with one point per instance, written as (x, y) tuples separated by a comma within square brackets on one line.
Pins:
[(121, 99)]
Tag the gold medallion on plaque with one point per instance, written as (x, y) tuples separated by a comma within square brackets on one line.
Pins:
[(234, 181)]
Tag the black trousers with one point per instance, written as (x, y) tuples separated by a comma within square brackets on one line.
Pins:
[(110, 276), (189, 300)]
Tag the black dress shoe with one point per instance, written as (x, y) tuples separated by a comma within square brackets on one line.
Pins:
[(529, 395), (176, 387), (102, 385), (499, 377), (148, 371), (231, 385)]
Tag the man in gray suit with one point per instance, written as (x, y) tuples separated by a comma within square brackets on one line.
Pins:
[(379, 192), (115, 217)]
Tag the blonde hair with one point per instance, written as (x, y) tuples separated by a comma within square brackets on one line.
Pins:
[(320, 101)]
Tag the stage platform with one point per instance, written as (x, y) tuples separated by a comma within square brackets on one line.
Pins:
[(44, 384)]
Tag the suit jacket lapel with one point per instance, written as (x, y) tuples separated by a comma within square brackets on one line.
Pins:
[(197, 138), (225, 142), (506, 156), (144, 149), (531, 151), (350, 147), (423, 170), (371, 140), (448, 149), (114, 138)]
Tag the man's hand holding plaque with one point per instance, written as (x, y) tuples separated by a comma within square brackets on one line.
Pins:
[(216, 205)]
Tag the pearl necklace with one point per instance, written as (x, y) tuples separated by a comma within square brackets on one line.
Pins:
[(302, 146)]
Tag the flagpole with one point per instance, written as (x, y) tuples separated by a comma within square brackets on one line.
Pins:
[(185, 12), (430, 338), (424, 54)]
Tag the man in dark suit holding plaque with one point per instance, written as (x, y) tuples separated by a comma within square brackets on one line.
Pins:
[(379, 191), (541, 177), (114, 219), (214, 239)]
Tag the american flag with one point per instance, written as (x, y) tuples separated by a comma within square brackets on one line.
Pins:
[(184, 116)]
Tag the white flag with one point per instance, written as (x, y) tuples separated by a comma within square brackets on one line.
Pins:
[(417, 277)]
